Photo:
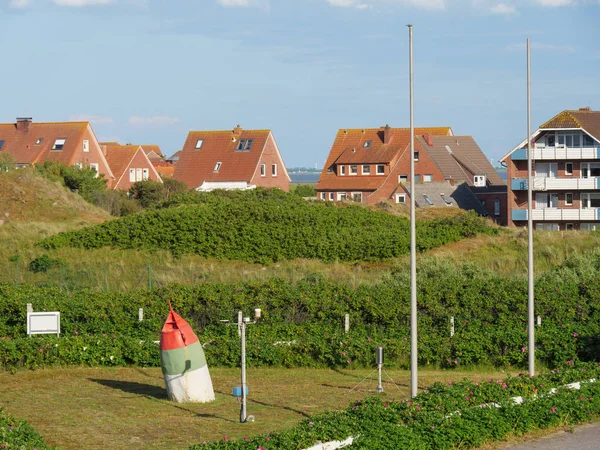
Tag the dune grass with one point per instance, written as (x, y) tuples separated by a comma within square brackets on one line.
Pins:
[(127, 408)]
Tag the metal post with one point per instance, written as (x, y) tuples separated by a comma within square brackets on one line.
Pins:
[(347, 323), (413, 234), (149, 277), (539, 320), (530, 296), (243, 338), (379, 361), (141, 314), (105, 278), (452, 326), (29, 307), (240, 319)]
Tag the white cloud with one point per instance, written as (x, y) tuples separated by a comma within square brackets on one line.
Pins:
[(423, 4), (555, 3), (91, 118), (79, 3), (19, 3), (154, 120), (504, 9), (260, 4)]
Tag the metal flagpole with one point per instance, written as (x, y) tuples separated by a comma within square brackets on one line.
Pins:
[(530, 296), (413, 234)]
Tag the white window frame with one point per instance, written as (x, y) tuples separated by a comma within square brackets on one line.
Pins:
[(96, 167), (145, 174), (263, 170), (357, 194), (217, 166), (274, 170), (479, 181), (132, 175), (567, 203), (86, 145), (341, 196), (567, 172), (323, 196), (342, 170), (382, 167), (199, 144), (366, 172), (351, 171), (331, 196), (427, 178), (138, 174), (59, 142), (401, 180), (400, 196)]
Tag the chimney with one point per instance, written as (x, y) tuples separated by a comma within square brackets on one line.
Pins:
[(237, 130), (587, 108), (429, 139), (23, 123), (387, 134)]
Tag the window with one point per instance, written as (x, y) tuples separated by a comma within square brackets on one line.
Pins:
[(569, 168), (367, 144), (245, 145), (479, 180), (39, 141), (417, 178), (132, 175), (323, 196), (86, 145), (427, 178), (570, 139), (402, 178), (331, 196), (79, 165), (145, 174), (274, 170), (416, 156), (380, 169), (447, 201), (546, 201), (217, 166), (366, 169), (95, 166), (590, 201), (496, 207), (138, 174), (199, 143), (427, 199), (569, 226), (590, 170), (59, 144), (353, 169), (357, 197), (550, 140), (400, 198), (342, 170), (341, 196), (588, 141), (569, 199), (263, 170), (483, 202), (546, 226), (590, 226)]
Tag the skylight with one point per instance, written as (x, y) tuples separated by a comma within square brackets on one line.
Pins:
[(245, 145), (367, 144), (446, 200), (199, 144), (217, 167), (59, 144), (39, 141), (427, 199)]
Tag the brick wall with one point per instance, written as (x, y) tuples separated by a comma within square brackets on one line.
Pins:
[(268, 158)]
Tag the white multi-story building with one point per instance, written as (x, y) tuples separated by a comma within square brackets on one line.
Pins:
[(566, 174)]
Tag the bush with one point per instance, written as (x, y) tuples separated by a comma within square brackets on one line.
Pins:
[(7, 162), (43, 264), (18, 434), (305, 190)]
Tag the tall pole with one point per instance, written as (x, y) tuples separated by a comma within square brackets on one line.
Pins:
[(413, 233), (243, 338), (530, 296)]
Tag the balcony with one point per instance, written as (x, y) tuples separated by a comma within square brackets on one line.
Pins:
[(555, 214), (558, 152), (556, 184)]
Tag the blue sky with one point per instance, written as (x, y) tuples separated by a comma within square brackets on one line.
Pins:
[(148, 71)]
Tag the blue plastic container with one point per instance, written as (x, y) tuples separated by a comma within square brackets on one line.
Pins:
[(237, 391)]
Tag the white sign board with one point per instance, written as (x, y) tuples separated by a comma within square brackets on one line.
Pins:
[(47, 322)]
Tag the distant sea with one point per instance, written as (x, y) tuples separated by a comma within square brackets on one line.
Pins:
[(313, 177)]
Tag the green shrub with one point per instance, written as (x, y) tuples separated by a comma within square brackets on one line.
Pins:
[(305, 190), (18, 434), (43, 264)]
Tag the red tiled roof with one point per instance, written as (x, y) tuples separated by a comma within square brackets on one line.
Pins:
[(164, 168), (349, 148), (149, 148), (118, 157), (27, 148), (583, 118), (197, 165)]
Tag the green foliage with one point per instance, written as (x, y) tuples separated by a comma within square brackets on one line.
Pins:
[(18, 434), (305, 190), (43, 264), (85, 180), (457, 415), (266, 226), (7, 162), (152, 193)]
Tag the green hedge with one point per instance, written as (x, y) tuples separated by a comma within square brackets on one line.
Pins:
[(490, 318), (269, 226), (445, 416), (18, 434)]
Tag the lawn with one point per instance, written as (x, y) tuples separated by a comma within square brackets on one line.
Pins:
[(127, 408)]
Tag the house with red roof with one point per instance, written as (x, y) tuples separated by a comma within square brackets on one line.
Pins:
[(129, 163), (153, 152), (371, 165), (565, 172), (231, 159), (69, 143)]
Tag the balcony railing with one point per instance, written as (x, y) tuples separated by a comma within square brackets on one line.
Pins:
[(558, 152), (555, 214), (552, 183)]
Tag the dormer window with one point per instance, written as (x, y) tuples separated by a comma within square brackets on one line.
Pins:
[(353, 169), (59, 144), (380, 168), (39, 141), (199, 143), (479, 181), (367, 144), (245, 145), (217, 167)]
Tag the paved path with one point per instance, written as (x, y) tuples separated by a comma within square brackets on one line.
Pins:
[(584, 437)]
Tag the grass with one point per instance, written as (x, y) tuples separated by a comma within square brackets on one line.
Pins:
[(127, 408)]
